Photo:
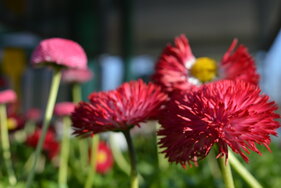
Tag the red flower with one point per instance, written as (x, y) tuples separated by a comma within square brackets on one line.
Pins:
[(239, 64), (51, 145), (15, 122), (227, 113), (104, 158), (171, 68), (33, 114), (60, 51), (119, 109), (178, 69)]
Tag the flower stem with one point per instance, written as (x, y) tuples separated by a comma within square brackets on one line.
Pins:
[(132, 154), (92, 169), (64, 154), (76, 93), (162, 162), (119, 158), (6, 145), (77, 97), (47, 119), (213, 165), (226, 173), (243, 172)]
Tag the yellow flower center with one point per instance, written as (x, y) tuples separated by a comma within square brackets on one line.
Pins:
[(204, 69), (101, 158), (11, 123)]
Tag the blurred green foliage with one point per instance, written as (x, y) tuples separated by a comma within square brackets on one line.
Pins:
[(265, 168)]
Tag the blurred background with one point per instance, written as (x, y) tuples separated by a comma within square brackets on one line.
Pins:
[(123, 39)]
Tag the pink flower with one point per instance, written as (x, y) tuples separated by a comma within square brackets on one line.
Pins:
[(178, 69), (33, 114), (228, 113), (77, 75), (117, 110), (61, 52), (7, 96), (64, 108)]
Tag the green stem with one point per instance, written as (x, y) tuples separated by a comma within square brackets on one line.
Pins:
[(76, 93), (213, 165), (119, 158), (6, 145), (92, 169), (162, 162), (29, 127), (83, 148), (243, 172), (64, 154), (226, 173), (132, 154), (46, 122)]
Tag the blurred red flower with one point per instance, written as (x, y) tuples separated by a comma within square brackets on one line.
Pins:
[(104, 158), (77, 75), (51, 146), (15, 122), (117, 110), (227, 113), (33, 114), (178, 69)]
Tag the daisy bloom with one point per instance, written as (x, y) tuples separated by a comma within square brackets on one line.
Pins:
[(59, 51), (227, 113), (118, 110), (7, 96), (77, 75), (178, 69), (64, 108), (104, 158), (51, 145)]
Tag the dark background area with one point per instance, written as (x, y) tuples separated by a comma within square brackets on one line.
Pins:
[(126, 29)]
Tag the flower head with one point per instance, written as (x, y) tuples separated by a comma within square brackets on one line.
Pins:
[(117, 110), (51, 145), (33, 114), (15, 122), (227, 113), (61, 52), (178, 69), (64, 108), (104, 158), (238, 64), (7, 96), (77, 75)]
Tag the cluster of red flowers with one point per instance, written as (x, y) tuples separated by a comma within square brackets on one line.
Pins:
[(230, 113), (201, 111), (51, 146)]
